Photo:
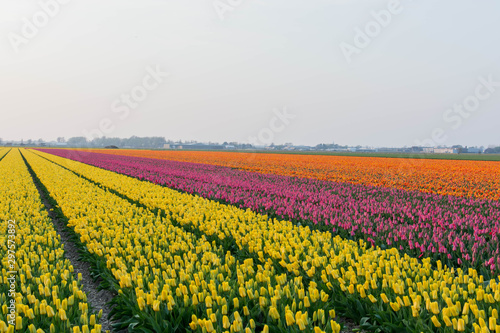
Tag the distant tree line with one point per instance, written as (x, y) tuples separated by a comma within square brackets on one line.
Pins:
[(138, 142), (324, 146), (132, 142), (156, 142), (495, 150)]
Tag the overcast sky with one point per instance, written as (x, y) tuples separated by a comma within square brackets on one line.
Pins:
[(374, 73)]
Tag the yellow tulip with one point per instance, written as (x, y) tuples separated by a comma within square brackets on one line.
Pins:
[(245, 311), (30, 314), (435, 321), (460, 325), (466, 309), (208, 325), (156, 305), (435, 308), (335, 327), (290, 320), (64, 304), (141, 303), (208, 302), (306, 302), (62, 314), (447, 321), (395, 306), (19, 323), (351, 289), (225, 322), (50, 311)]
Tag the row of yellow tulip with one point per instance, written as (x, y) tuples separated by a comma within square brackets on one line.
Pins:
[(168, 279), (389, 288), (3, 152), (38, 291)]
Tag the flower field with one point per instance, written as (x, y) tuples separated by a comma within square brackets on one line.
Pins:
[(461, 232), (171, 278), (189, 247)]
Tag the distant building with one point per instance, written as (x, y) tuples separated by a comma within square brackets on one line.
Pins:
[(58, 144), (389, 150), (445, 150), (302, 148), (337, 149), (474, 150)]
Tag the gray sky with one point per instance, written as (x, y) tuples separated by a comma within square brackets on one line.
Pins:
[(232, 62)]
